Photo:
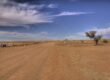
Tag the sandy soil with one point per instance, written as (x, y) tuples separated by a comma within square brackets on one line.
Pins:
[(49, 61)]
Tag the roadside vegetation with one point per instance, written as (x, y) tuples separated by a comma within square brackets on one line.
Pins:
[(19, 43)]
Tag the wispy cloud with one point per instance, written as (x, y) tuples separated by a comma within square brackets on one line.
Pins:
[(19, 36), (66, 13), (76, 36), (14, 14), (52, 6)]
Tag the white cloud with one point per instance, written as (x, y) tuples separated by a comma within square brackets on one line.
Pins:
[(21, 14), (44, 33), (8, 35), (3, 1), (105, 32), (52, 6), (102, 31), (72, 13), (76, 36), (17, 14)]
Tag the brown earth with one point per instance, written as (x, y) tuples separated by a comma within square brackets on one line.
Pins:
[(48, 61)]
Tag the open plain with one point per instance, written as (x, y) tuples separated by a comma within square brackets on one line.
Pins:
[(54, 61)]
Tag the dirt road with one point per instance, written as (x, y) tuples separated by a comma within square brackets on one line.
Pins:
[(49, 61)]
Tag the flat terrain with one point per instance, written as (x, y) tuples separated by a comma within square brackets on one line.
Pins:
[(49, 61)]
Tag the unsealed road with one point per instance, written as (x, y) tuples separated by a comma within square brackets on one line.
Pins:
[(48, 61)]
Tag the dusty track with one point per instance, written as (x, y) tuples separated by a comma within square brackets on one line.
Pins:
[(48, 61)]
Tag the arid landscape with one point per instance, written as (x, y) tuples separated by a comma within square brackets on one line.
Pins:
[(56, 60), (54, 39)]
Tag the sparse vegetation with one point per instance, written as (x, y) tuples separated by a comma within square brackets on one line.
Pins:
[(3, 45), (82, 41), (92, 35), (13, 44), (105, 41)]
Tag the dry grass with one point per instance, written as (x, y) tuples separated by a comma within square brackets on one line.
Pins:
[(79, 43), (19, 43)]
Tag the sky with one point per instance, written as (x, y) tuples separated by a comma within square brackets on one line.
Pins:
[(22, 20)]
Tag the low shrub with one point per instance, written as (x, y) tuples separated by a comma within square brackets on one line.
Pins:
[(105, 41)]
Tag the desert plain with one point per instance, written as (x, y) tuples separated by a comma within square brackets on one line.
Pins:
[(55, 60)]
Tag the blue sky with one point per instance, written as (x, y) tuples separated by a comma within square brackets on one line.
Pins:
[(53, 19)]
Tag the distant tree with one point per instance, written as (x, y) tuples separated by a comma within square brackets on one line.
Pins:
[(97, 39), (66, 40), (105, 41), (92, 35), (82, 41)]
